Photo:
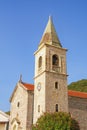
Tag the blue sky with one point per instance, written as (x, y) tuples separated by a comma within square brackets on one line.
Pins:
[(22, 23)]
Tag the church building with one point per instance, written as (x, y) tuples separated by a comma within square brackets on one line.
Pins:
[(49, 92)]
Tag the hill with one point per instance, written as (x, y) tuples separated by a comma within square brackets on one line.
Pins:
[(80, 85)]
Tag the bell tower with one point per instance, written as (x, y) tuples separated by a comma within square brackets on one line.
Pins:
[(50, 80)]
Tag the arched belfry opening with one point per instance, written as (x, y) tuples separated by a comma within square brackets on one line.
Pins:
[(40, 62), (55, 62)]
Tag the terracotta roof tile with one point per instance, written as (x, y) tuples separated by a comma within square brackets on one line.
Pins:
[(77, 94), (28, 86), (70, 92)]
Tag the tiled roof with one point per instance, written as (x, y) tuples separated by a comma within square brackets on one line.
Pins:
[(77, 94), (70, 92), (28, 86)]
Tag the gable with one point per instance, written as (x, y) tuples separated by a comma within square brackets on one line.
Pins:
[(17, 92), (24, 86), (15, 89)]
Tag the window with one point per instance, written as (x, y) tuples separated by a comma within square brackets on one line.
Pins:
[(56, 85), (55, 63), (56, 107), (55, 60), (18, 104), (40, 62), (38, 108)]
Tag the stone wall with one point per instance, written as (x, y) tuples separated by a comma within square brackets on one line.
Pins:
[(20, 116), (78, 110), (56, 96), (48, 97), (30, 106)]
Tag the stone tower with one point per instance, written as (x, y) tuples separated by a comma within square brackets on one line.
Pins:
[(50, 93)]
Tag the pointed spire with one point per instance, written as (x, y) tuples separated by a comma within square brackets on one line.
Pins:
[(50, 17), (50, 35)]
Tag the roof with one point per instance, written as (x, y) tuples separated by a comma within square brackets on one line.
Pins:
[(70, 92), (77, 94), (50, 35), (3, 117), (28, 86)]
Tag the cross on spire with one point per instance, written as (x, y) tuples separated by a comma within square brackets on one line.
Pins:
[(20, 80)]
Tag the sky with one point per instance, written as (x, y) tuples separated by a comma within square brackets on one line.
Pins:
[(22, 23)]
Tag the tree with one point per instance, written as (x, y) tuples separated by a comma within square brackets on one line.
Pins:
[(8, 112), (80, 85), (56, 121)]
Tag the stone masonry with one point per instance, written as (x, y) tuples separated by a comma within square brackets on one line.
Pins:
[(49, 92), (78, 110), (21, 108), (50, 69)]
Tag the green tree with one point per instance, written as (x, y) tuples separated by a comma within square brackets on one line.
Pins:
[(56, 121)]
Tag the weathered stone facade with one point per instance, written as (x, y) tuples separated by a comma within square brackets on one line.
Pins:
[(53, 95), (78, 110), (49, 92), (50, 75), (21, 108)]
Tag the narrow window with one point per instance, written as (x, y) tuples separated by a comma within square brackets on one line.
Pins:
[(18, 104), (56, 107), (56, 85), (38, 108), (40, 62)]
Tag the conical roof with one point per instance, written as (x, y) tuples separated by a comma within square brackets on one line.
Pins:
[(50, 35)]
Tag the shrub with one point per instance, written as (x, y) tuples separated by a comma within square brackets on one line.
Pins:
[(56, 121)]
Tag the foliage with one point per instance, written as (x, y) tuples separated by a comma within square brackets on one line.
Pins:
[(80, 85), (8, 112), (56, 121)]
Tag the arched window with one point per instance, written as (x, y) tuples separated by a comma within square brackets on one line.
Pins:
[(56, 107), (55, 63), (55, 60), (40, 62), (56, 85)]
